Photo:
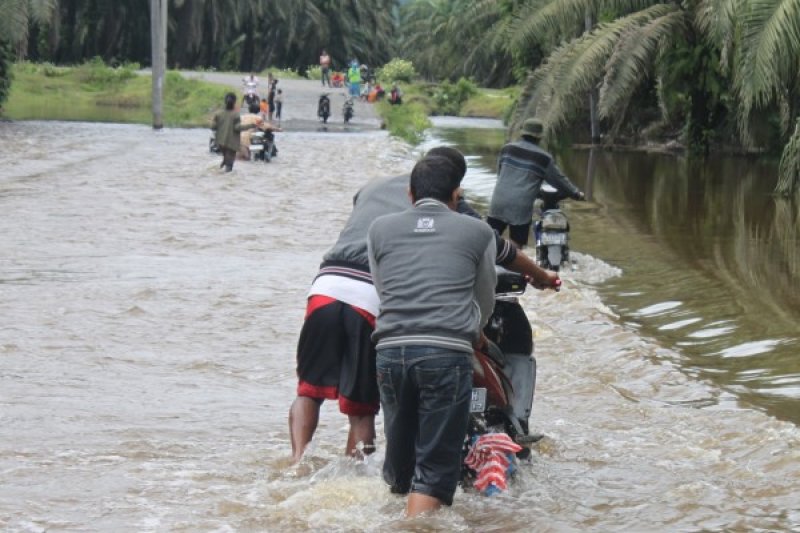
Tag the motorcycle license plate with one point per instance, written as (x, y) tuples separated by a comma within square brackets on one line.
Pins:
[(477, 403), (554, 238), (256, 147)]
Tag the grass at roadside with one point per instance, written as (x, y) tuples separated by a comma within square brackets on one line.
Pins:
[(98, 93), (490, 103), (407, 121), (421, 100)]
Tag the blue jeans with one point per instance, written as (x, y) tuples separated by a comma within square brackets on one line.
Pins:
[(425, 396)]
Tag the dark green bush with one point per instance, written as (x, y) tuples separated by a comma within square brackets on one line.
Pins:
[(6, 58), (449, 97)]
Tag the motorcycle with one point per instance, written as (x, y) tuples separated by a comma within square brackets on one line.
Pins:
[(262, 146), (551, 230), (347, 110), (324, 108), (504, 379)]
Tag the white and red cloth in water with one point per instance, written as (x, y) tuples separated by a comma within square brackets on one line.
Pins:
[(490, 457)]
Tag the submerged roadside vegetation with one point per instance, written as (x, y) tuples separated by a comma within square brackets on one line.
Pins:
[(95, 91)]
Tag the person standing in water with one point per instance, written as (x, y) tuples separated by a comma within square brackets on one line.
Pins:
[(227, 126)]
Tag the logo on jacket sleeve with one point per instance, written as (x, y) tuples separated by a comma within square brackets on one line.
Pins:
[(424, 225)]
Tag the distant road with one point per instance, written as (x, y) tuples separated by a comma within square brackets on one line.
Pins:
[(300, 103)]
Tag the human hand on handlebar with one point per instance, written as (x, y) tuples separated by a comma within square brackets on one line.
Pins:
[(546, 279), (580, 196)]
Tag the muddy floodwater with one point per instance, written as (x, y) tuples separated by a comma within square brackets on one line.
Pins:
[(150, 307)]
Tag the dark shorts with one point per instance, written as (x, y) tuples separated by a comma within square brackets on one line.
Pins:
[(336, 357), (517, 233), (425, 395)]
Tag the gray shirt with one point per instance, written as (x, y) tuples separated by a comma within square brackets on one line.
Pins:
[(435, 276), (521, 168), (383, 196), (378, 197)]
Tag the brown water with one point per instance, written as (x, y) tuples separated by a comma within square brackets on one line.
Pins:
[(150, 307), (709, 260)]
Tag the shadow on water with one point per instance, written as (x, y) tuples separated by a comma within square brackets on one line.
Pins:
[(710, 259)]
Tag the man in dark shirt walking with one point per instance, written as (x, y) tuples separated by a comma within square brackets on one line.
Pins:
[(521, 168)]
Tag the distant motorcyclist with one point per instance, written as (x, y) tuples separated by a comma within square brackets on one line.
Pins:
[(522, 167), (324, 107), (250, 83)]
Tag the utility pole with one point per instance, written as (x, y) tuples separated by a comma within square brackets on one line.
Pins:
[(158, 44), (593, 94)]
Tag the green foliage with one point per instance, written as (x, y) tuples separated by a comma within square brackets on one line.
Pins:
[(396, 70), (449, 97), (36, 95), (789, 170), (408, 121), (314, 72), (96, 75), (448, 39), (490, 103), (5, 70)]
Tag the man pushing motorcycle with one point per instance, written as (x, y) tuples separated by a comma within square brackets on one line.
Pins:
[(522, 167), (335, 355), (435, 277)]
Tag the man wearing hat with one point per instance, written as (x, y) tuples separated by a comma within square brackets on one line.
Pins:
[(521, 168)]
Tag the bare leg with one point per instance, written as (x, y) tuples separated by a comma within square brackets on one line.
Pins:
[(303, 419), (362, 429), (419, 503)]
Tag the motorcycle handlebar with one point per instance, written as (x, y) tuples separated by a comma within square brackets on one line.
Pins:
[(556, 285)]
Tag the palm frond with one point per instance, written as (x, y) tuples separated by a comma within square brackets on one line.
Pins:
[(538, 18), (557, 89), (770, 51), (789, 168), (717, 20), (633, 58)]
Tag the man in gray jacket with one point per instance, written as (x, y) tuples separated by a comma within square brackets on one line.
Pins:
[(521, 168), (435, 276)]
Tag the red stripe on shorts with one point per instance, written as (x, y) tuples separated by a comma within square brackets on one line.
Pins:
[(316, 301), (349, 407), (366, 314), (316, 391)]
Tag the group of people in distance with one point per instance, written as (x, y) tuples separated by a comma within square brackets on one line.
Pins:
[(398, 306), (358, 79), (230, 124)]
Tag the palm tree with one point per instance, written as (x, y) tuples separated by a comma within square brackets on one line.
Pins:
[(17, 17), (767, 66), (616, 56), (753, 43), (15, 23), (450, 39)]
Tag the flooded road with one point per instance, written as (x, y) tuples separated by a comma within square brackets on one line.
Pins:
[(150, 309)]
